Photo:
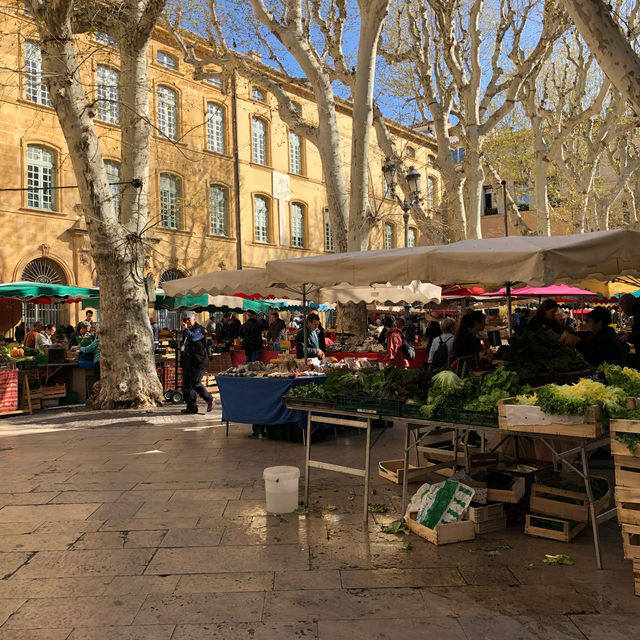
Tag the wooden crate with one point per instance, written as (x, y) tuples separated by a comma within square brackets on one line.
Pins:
[(591, 427), (486, 512), (443, 533), (631, 541), (628, 505), (627, 471), (542, 527), (624, 426), (548, 500), (393, 470), (636, 576), (512, 495), (497, 524), (54, 391)]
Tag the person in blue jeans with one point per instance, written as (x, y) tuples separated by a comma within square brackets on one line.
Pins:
[(251, 334), (194, 360)]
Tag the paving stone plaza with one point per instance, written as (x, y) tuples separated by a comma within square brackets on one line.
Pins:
[(147, 525)]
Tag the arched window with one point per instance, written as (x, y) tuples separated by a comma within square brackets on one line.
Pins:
[(168, 112), (388, 236), (113, 175), (219, 211), (108, 94), (411, 237), (170, 274), (261, 219), (297, 224), (35, 88), (41, 177), (170, 201), (259, 140), (166, 60), (295, 153), (45, 271), (411, 152), (432, 192), (215, 80), (215, 127), (257, 94), (431, 159)]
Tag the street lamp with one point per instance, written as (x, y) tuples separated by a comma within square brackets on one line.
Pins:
[(413, 179)]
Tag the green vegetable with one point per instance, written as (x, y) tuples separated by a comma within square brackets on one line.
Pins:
[(397, 526), (625, 378), (311, 390), (631, 440), (528, 566), (378, 508), (301, 511), (446, 382), (331, 507), (407, 546), (576, 399), (494, 553), (537, 352), (561, 558)]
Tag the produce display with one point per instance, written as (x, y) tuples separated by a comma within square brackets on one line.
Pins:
[(575, 399), (15, 352), (536, 352), (626, 378), (353, 345)]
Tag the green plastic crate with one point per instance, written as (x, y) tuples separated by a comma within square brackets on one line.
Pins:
[(367, 404)]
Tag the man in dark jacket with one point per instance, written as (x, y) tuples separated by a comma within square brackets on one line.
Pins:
[(229, 330), (194, 360), (277, 328), (251, 334), (313, 342), (601, 344)]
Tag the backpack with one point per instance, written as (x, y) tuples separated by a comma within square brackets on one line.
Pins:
[(407, 349), (440, 358)]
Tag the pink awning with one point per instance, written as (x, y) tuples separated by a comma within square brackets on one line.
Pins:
[(555, 290)]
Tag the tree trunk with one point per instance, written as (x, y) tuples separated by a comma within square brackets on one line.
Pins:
[(128, 376), (541, 171), (607, 42), (474, 184), (360, 217), (351, 317)]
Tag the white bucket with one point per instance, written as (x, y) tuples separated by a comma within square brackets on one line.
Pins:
[(281, 488)]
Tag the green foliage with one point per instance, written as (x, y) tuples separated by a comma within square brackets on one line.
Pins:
[(495, 386), (537, 352), (561, 558), (396, 527), (631, 440), (574, 400), (625, 378)]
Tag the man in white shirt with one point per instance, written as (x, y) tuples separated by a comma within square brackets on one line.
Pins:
[(43, 340)]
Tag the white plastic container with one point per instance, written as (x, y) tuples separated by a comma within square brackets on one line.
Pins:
[(281, 488)]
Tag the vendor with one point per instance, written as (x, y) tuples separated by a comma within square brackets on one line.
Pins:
[(31, 338), (93, 350), (277, 328), (81, 333), (321, 338), (228, 331), (395, 355), (545, 318), (44, 340), (601, 344), (313, 341), (467, 341)]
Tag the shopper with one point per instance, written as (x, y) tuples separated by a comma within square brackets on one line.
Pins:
[(630, 305), (194, 360), (31, 338), (313, 341), (80, 334), (321, 338), (467, 341), (545, 318), (277, 328), (395, 355), (442, 346), (601, 344), (251, 334), (228, 331), (93, 350)]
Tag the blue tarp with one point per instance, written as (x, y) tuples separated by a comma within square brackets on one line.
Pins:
[(259, 400)]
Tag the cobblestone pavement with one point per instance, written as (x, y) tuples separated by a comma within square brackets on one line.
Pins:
[(143, 525)]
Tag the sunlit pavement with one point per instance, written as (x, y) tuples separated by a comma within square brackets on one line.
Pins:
[(144, 525)]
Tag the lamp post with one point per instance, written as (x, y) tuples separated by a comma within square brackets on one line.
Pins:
[(504, 204), (413, 178)]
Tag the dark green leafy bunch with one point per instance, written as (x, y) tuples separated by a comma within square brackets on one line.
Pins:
[(374, 384), (537, 352), (305, 391), (338, 383), (501, 383), (412, 386)]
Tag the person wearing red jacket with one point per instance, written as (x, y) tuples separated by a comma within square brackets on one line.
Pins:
[(395, 355)]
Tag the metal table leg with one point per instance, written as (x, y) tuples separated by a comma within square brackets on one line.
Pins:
[(405, 476), (592, 510), (367, 460), (307, 457)]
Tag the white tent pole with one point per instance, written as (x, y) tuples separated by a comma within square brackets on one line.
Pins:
[(508, 286)]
